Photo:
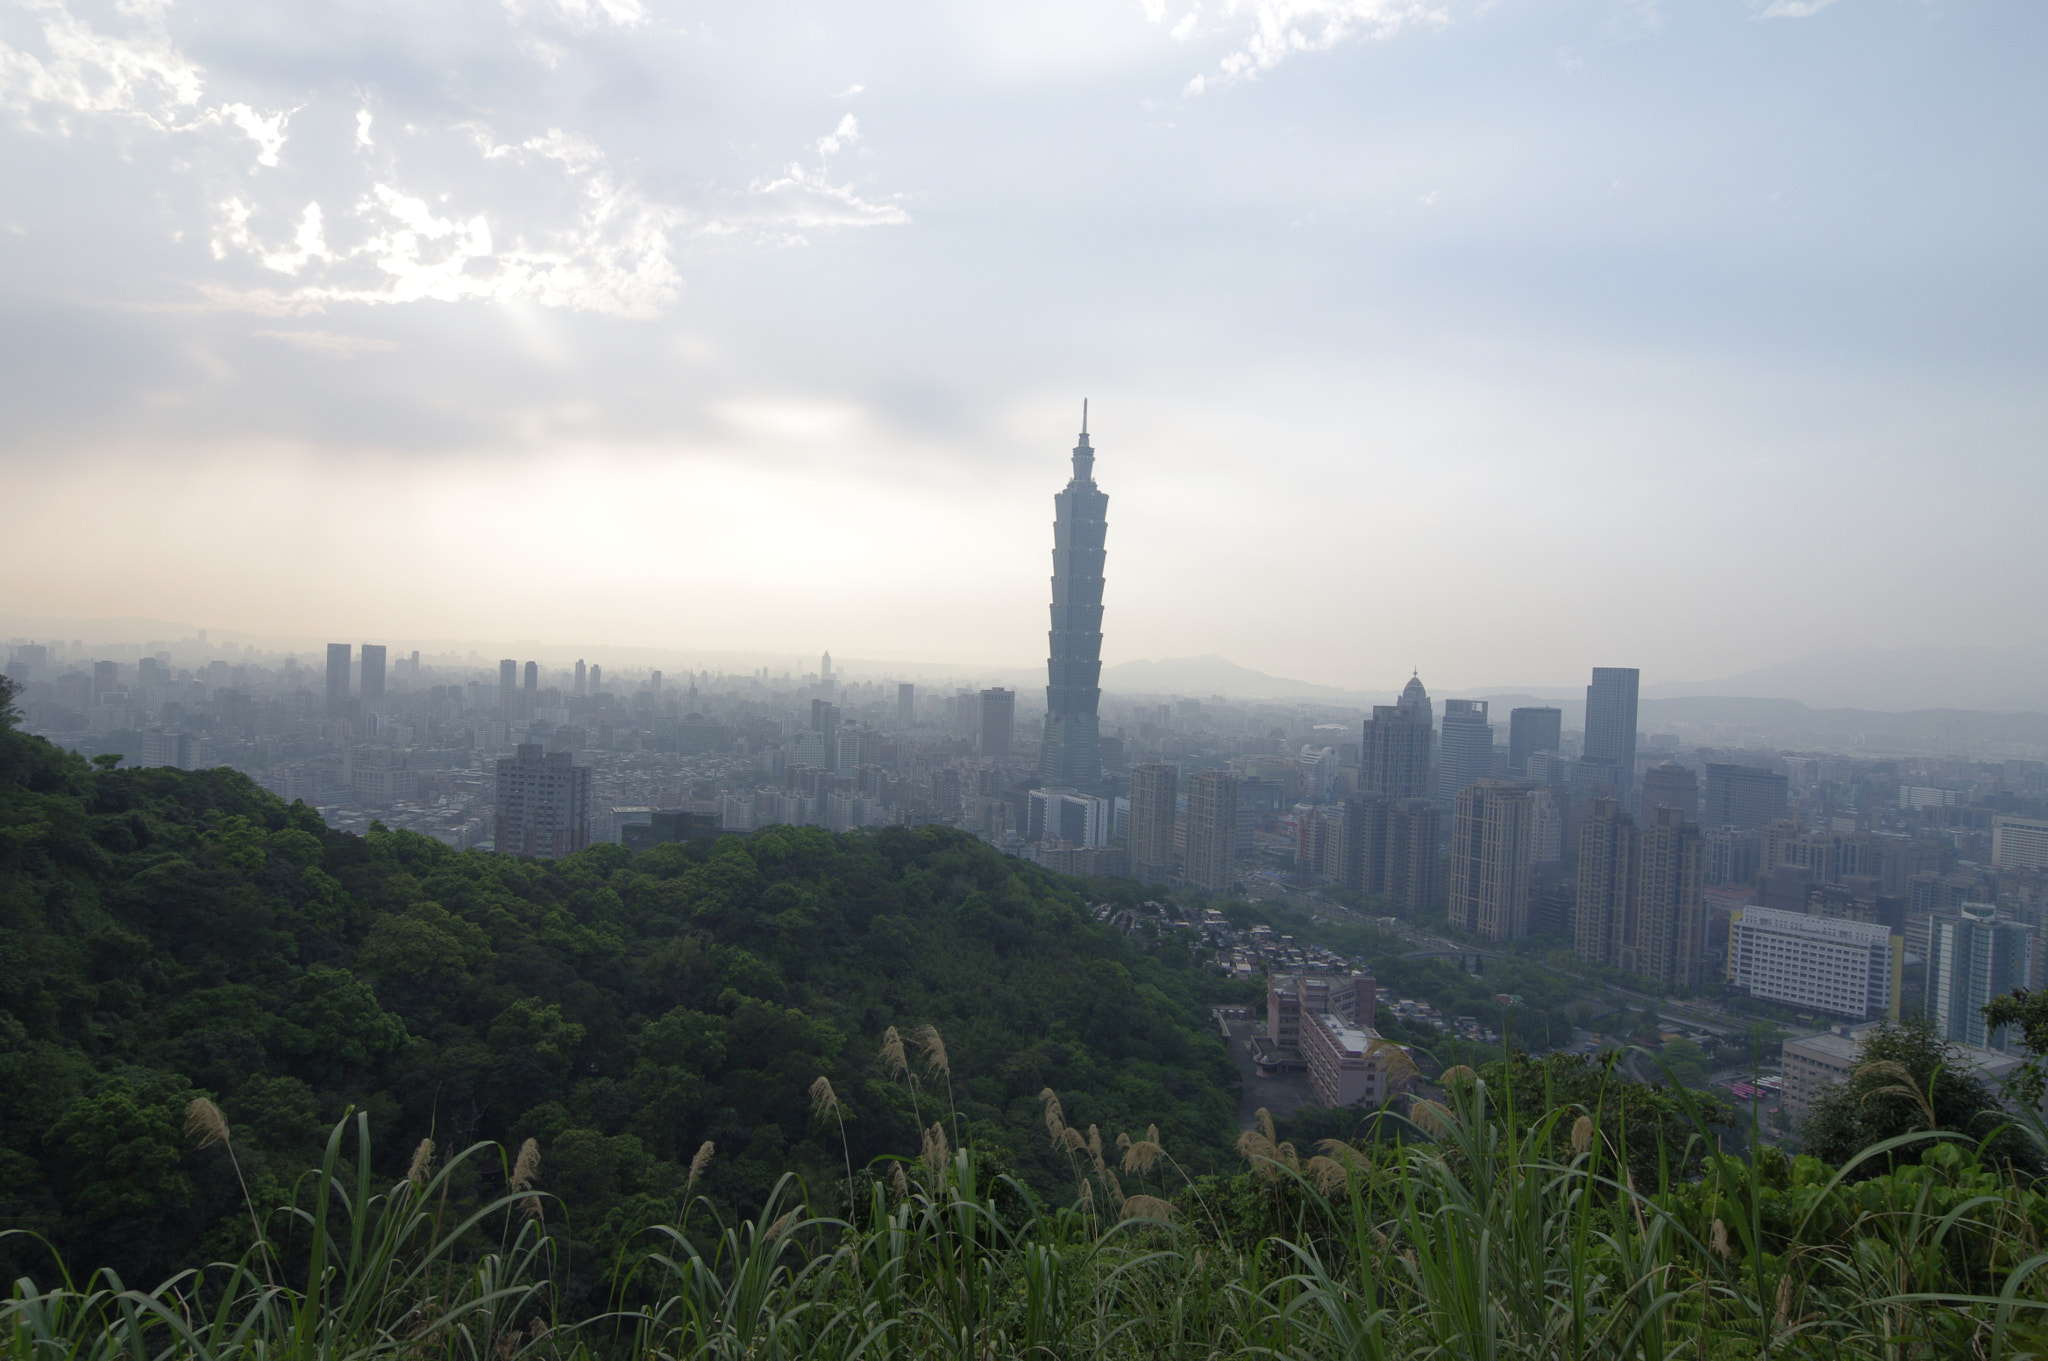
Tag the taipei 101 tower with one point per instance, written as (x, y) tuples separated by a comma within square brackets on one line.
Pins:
[(1072, 756)]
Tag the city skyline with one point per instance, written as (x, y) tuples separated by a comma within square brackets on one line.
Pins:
[(1712, 280)]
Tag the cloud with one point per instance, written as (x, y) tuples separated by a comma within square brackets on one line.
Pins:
[(584, 16), (850, 91), (140, 74), (1264, 33), (845, 135), (1794, 9), (327, 342), (568, 233)]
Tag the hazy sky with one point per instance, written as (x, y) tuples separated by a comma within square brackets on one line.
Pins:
[(1497, 339)]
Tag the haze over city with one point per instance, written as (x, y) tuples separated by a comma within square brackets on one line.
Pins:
[(1487, 339)]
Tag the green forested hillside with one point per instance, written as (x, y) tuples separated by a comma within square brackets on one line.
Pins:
[(166, 934)]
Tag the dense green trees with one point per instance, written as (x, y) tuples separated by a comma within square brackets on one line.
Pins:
[(167, 934)]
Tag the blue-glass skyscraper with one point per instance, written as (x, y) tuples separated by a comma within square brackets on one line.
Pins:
[(1072, 756)]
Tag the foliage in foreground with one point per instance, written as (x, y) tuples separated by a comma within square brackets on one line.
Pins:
[(1471, 1231)]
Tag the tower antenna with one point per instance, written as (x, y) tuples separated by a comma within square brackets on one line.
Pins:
[(1084, 415)]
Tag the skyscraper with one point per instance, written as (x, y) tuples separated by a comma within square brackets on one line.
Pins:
[(1610, 851), (998, 723), (1466, 752), (1492, 852), (1072, 754), (1532, 730), (825, 667), (582, 678), (1155, 797), (508, 677), (373, 672), (1611, 720), (533, 678), (338, 657), (906, 705), (1972, 957), (543, 804), (1212, 831), (1395, 758), (1669, 937)]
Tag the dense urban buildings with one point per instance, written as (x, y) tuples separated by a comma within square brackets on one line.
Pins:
[(1071, 755)]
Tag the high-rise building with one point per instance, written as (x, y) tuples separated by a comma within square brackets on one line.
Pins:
[(1611, 720), (1671, 785), (1847, 968), (1055, 815), (106, 677), (1641, 903), (1492, 853), (582, 678), (1395, 757), (998, 723), (596, 679), (1743, 796), (508, 677), (533, 678), (373, 673), (543, 804), (1610, 851), (1390, 851), (1155, 797), (1212, 831), (825, 667), (1072, 753), (906, 706), (338, 658), (1529, 731), (1972, 957), (1666, 940), (1465, 753)]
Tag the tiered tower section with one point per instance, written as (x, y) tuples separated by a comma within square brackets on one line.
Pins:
[(1072, 756)]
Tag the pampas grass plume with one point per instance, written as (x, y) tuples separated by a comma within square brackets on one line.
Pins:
[(204, 1122), (892, 1053), (422, 1159), (701, 1161), (824, 1101), (1582, 1134), (528, 1166), (928, 1041), (1148, 1207)]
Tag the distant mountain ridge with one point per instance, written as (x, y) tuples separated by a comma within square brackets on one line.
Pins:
[(1199, 677)]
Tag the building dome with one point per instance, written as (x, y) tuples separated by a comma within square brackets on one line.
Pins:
[(1413, 697)]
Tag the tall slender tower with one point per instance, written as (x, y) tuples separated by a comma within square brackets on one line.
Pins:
[(1072, 755)]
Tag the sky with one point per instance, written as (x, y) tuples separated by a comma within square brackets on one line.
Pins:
[(1495, 339)]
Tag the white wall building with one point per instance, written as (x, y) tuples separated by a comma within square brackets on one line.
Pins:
[(2019, 843), (1843, 967)]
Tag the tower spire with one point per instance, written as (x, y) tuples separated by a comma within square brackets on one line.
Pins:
[(1084, 415)]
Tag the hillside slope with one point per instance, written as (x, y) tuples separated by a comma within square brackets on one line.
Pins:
[(165, 934)]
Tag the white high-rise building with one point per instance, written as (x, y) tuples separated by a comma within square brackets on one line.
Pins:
[(1972, 957), (1846, 968)]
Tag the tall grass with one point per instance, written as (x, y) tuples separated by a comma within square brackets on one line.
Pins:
[(1466, 1232)]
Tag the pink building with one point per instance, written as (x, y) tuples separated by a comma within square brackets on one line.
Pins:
[(1347, 1063)]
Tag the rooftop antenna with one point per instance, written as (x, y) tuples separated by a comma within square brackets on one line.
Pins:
[(1084, 415)]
